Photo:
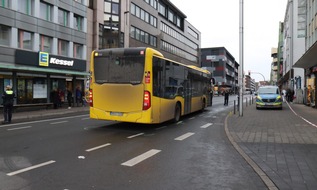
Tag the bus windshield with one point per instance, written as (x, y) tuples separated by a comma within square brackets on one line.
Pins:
[(119, 69)]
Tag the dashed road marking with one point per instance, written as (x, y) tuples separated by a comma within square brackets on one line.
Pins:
[(59, 122), (30, 168), (141, 158), (18, 128), (98, 147), (206, 125), (132, 136), (180, 138)]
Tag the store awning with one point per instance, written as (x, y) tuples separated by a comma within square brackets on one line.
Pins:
[(309, 59), (19, 68)]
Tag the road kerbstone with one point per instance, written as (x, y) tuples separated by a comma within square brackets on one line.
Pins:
[(281, 143)]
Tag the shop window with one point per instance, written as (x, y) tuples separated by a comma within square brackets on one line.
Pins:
[(4, 35), (25, 39)]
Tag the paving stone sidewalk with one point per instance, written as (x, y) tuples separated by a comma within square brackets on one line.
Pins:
[(18, 116), (283, 143)]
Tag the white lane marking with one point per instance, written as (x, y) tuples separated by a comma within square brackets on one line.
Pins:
[(180, 138), (310, 123), (98, 147), (141, 157), (192, 118), (206, 125), (59, 122), (132, 136), (85, 118), (41, 121), (18, 128), (31, 168)]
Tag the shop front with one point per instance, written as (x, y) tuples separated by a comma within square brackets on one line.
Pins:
[(34, 75), (309, 63), (311, 86)]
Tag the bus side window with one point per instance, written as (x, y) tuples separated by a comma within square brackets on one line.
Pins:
[(157, 76)]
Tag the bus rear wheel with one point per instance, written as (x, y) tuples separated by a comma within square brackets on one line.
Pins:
[(177, 113)]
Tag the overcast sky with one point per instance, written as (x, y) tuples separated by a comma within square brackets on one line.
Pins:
[(218, 22)]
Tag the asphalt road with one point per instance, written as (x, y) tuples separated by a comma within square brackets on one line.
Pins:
[(77, 153)]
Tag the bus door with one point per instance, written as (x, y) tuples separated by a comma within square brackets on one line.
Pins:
[(187, 96)]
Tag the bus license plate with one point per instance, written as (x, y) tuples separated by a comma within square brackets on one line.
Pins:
[(116, 113)]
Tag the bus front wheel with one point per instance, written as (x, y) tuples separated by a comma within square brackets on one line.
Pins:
[(177, 114)]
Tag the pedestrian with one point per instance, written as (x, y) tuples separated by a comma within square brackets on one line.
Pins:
[(55, 98), (226, 94), (211, 94), (69, 98), (284, 95), (78, 96), (8, 99)]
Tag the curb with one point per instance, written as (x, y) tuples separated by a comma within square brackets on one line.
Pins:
[(265, 178)]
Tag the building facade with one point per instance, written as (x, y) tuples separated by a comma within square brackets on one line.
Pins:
[(293, 47), (42, 48), (308, 60), (274, 66), (223, 67), (45, 45), (145, 23)]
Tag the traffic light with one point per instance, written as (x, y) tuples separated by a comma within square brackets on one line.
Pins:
[(249, 73)]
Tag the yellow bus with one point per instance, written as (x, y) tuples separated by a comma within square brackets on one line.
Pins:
[(139, 85)]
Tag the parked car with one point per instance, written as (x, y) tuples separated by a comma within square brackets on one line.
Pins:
[(269, 97)]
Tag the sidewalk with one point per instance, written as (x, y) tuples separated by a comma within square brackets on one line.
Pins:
[(18, 116), (282, 143)]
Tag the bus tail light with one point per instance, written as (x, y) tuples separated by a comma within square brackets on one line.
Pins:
[(90, 98), (146, 100)]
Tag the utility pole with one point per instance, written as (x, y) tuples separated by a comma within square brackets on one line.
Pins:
[(241, 60)]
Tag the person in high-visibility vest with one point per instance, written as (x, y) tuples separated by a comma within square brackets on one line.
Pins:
[(8, 99)]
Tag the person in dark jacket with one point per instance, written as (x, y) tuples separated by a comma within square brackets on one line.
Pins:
[(69, 98), (8, 99), (226, 94)]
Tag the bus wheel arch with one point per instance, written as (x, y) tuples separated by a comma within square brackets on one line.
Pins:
[(177, 112)]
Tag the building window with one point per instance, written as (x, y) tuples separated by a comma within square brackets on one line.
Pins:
[(143, 36), (25, 6), (162, 9), (63, 17), (25, 40), (4, 3), (62, 47), (78, 51), (46, 11), (143, 15), (4, 35), (45, 43), (171, 16), (78, 22)]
